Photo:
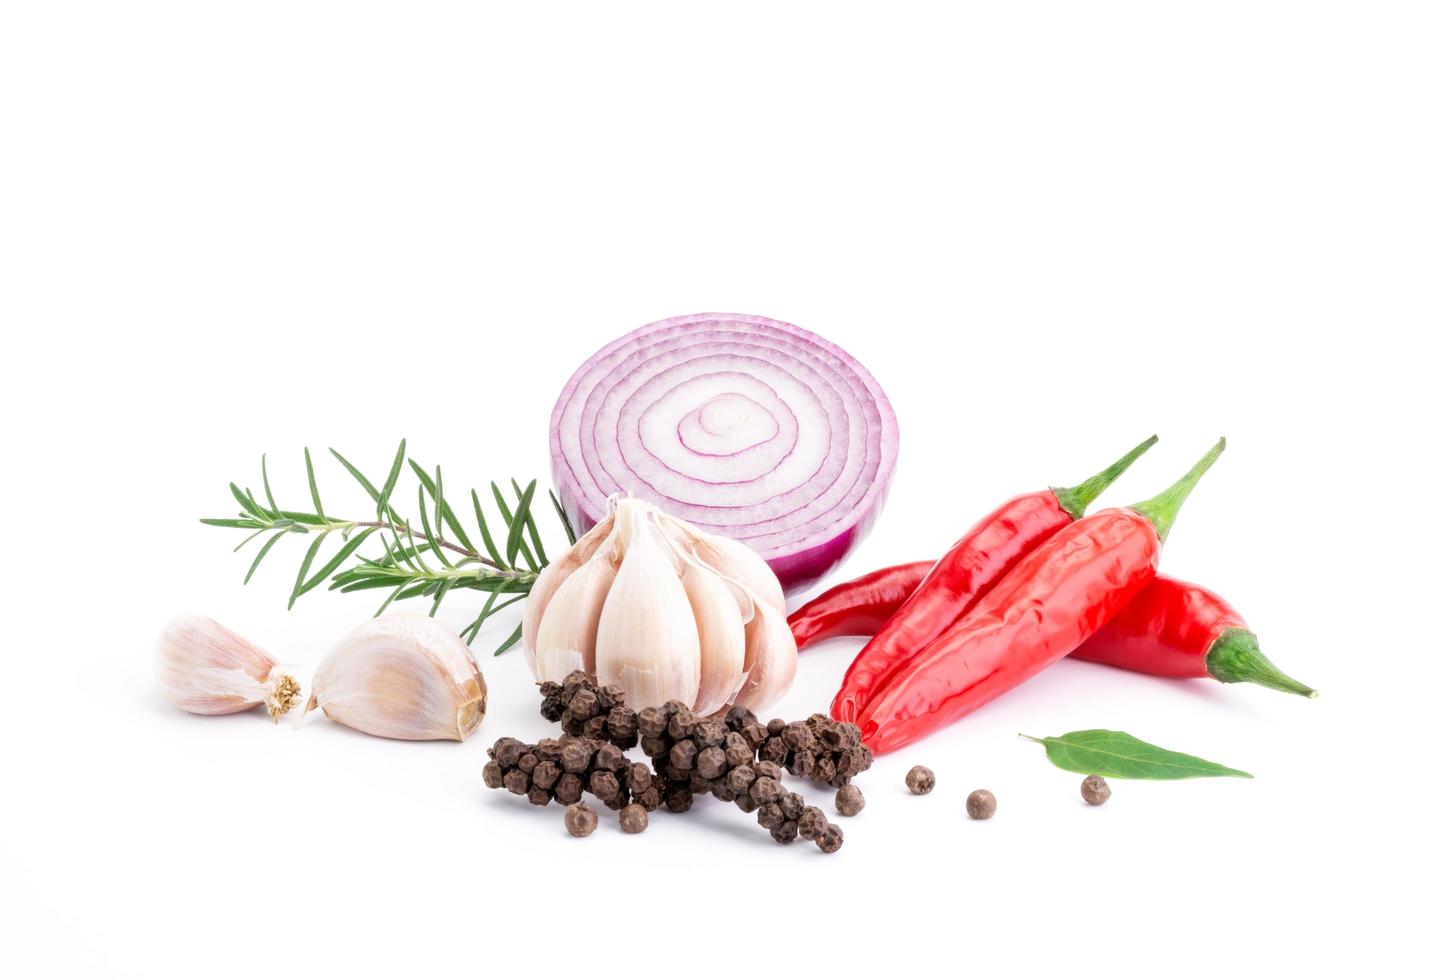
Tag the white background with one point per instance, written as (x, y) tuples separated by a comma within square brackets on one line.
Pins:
[(1048, 229)]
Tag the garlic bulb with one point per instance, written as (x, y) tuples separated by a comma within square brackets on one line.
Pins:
[(402, 676), (207, 669), (663, 610)]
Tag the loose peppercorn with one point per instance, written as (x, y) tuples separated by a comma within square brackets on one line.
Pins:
[(980, 804), (920, 780), (1095, 790), (849, 801), (581, 820), (633, 818)]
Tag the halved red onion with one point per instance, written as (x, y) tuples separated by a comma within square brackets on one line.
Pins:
[(746, 427)]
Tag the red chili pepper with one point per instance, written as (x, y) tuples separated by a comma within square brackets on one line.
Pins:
[(1171, 629), (859, 607), (1058, 597), (1177, 629), (969, 569)]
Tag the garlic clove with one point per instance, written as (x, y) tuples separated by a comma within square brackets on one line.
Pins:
[(551, 578), (771, 657), (566, 637), (647, 640), (402, 676), (207, 669), (732, 559), (722, 635)]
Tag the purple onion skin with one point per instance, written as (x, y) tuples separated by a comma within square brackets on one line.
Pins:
[(795, 570)]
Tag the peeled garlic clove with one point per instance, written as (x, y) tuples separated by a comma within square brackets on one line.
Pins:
[(771, 657), (550, 579), (647, 640), (567, 634), (207, 669), (402, 676), (722, 635)]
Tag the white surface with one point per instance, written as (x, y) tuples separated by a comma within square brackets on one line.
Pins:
[(1048, 229)]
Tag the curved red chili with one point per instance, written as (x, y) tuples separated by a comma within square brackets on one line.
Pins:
[(1178, 629), (1058, 597), (859, 607), (1171, 629), (972, 566)]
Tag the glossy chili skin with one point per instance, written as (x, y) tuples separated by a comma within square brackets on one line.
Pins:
[(1167, 630), (976, 562), (1043, 609), (859, 607)]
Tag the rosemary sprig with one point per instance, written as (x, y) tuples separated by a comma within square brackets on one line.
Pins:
[(418, 560)]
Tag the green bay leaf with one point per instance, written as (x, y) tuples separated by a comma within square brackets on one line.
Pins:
[(1120, 755)]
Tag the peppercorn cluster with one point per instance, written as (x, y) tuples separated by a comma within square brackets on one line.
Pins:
[(582, 708), (564, 768), (736, 759), (693, 756), (819, 748)]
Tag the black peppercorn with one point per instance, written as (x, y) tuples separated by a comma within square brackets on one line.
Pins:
[(679, 800), (831, 839), (1095, 790), (920, 780), (811, 823), (581, 820), (604, 786), (849, 801), (769, 816), (980, 804), (568, 789), (765, 790), (652, 722), (583, 704), (506, 752), (682, 724), (516, 782), (576, 755), (632, 819), (711, 762), (609, 757), (546, 775), (786, 833), (492, 775)]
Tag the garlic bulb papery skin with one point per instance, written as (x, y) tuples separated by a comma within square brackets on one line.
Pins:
[(551, 578), (207, 669), (664, 611), (402, 676), (566, 637)]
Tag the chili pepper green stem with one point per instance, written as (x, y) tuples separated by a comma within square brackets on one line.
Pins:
[(1236, 657), (1161, 510), (1074, 500)]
